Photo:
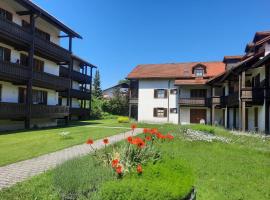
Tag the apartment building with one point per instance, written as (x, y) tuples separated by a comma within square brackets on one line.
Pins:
[(41, 83), (233, 93), (173, 93)]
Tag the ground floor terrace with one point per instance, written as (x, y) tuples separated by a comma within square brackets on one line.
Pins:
[(221, 160)]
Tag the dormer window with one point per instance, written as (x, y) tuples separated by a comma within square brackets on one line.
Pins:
[(199, 70)]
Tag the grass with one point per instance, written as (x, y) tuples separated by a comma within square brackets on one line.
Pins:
[(22, 145), (239, 170)]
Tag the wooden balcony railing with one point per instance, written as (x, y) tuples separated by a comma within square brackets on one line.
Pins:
[(233, 99), (80, 111), (84, 95), (22, 36), (133, 100), (17, 110), (215, 100), (253, 95), (193, 102), (20, 74), (76, 76), (14, 31)]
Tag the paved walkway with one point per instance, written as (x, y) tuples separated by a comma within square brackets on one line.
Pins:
[(17, 172)]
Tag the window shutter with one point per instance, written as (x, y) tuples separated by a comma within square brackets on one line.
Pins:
[(155, 112), (165, 93), (165, 112), (7, 54), (155, 93)]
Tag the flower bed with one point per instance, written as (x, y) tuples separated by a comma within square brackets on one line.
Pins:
[(135, 169)]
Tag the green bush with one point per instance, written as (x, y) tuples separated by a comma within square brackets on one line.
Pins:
[(167, 180), (96, 108), (79, 178), (123, 119)]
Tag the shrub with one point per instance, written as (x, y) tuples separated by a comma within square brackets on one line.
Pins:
[(96, 108), (79, 178), (166, 180), (123, 119)]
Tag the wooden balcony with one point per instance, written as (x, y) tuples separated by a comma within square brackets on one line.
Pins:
[(83, 112), (216, 100), (133, 100), (20, 74), (83, 95), (76, 76), (255, 96), (196, 102), (20, 37), (17, 111)]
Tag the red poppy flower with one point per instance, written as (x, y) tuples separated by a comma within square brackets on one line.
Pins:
[(154, 131), (145, 130), (106, 141), (139, 169), (148, 138), (115, 163), (118, 169), (141, 144), (129, 139), (169, 136), (133, 126), (90, 141)]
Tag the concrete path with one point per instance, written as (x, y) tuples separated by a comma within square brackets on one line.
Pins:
[(20, 171)]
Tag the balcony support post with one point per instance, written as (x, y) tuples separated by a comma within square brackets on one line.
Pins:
[(212, 116), (30, 80), (90, 97), (234, 118), (243, 103), (266, 97), (227, 111), (239, 101)]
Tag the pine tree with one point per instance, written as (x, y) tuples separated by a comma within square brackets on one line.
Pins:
[(97, 92)]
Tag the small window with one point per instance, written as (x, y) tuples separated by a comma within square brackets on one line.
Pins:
[(5, 54), (160, 93), (173, 91), (5, 14), (199, 72), (160, 112), (198, 93), (38, 32), (173, 110), (39, 97), (38, 64)]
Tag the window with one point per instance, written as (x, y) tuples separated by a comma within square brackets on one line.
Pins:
[(160, 93), (160, 112), (5, 54), (199, 72), (198, 93), (38, 64), (173, 91), (173, 110), (5, 14), (38, 32), (38, 96)]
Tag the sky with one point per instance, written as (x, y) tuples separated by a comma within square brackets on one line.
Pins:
[(120, 34)]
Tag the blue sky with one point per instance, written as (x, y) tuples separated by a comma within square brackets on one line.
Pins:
[(120, 34)]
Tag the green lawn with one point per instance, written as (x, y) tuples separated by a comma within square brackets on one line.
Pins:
[(239, 170), (22, 145)]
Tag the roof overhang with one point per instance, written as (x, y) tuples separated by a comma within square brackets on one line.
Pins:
[(33, 8)]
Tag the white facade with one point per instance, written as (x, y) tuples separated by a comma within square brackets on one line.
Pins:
[(147, 102)]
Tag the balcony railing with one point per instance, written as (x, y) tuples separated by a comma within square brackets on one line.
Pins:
[(76, 76), (80, 111), (19, 74), (193, 102), (215, 100), (76, 94), (133, 100), (253, 95), (17, 110), (16, 33)]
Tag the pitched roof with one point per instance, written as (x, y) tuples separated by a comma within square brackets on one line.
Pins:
[(174, 70)]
